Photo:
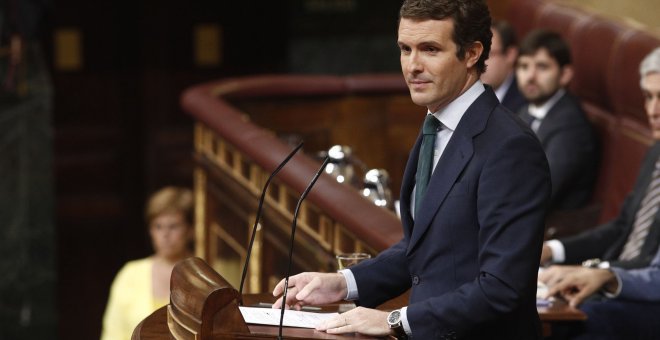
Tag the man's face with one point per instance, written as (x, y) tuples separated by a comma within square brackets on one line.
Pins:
[(651, 90), (499, 63), (433, 72), (540, 77)]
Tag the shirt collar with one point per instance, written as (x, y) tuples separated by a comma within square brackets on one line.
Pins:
[(539, 112), (451, 114), (504, 88)]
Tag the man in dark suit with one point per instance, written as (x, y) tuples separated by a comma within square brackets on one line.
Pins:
[(632, 239), (544, 70), (500, 67), (472, 230)]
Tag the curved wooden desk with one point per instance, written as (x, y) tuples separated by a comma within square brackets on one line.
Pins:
[(155, 326)]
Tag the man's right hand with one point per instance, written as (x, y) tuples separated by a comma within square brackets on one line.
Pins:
[(312, 289), (546, 254)]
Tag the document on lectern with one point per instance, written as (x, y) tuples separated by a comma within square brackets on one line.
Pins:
[(292, 318)]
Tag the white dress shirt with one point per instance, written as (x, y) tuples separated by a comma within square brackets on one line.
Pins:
[(539, 112)]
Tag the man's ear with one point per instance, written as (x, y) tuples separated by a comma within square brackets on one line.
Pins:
[(473, 53), (511, 55), (566, 75)]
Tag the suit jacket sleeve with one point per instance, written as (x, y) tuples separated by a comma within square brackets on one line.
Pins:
[(605, 242), (640, 284), (388, 276), (596, 242)]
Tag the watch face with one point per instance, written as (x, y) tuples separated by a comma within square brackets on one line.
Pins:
[(394, 317)]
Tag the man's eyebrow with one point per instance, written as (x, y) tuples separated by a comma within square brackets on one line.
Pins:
[(421, 43)]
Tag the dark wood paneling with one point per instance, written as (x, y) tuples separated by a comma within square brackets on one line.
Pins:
[(379, 129)]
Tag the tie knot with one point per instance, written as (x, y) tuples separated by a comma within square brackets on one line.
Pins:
[(431, 125)]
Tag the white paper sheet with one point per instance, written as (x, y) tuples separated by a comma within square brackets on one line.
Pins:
[(541, 292), (292, 318)]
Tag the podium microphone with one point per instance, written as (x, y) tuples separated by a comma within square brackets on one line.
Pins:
[(294, 223), (258, 216)]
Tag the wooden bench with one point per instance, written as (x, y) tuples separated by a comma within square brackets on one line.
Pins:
[(606, 56)]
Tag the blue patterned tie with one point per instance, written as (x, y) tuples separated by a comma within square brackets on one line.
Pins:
[(644, 218), (425, 161)]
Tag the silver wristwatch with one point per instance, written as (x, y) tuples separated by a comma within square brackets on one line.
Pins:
[(394, 321), (596, 263)]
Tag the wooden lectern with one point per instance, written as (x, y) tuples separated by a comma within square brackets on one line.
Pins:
[(200, 297), (203, 306)]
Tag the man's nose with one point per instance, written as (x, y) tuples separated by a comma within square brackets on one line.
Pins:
[(414, 63), (654, 107), (531, 73)]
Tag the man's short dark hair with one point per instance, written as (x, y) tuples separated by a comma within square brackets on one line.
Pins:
[(506, 32), (551, 41), (471, 22)]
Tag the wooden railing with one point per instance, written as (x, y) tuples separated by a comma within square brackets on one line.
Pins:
[(234, 157)]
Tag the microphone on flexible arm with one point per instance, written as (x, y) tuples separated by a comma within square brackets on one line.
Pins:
[(294, 224), (258, 216)]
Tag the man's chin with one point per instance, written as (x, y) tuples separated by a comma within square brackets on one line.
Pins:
[(419, 100), (537, 99)]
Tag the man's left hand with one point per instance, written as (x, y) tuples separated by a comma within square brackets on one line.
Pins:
[(580, 284), (359, 320)]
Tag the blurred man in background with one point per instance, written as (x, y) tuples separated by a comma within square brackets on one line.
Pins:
[(500, 71)]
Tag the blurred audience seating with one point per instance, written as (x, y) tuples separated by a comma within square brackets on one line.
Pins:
[(606, 57)]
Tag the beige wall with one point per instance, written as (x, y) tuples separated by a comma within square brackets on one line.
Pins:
[(646, 12), (498, 8)]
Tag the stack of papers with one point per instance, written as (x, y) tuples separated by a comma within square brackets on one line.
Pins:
[(541, 292), (292, 318)]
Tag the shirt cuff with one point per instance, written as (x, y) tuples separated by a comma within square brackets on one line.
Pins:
[(351, 285), (558, 251), (618, 287), (404, 322)]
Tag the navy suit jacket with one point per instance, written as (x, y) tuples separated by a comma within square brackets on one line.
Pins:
[(471, 256), (570, 145), (607, 241), (513, 99)]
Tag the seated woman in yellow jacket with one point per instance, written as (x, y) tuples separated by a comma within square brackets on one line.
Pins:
[(142, 286)]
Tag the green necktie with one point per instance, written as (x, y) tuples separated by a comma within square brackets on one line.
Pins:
[(425, 162)]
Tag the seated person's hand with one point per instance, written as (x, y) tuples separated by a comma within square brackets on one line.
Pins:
[(554, 274), (580, 284), (311, 289)]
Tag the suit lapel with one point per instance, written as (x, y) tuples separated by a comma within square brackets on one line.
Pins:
[(525, 116), (454, 159), (407, 187), (550, 123), (647, 176)]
